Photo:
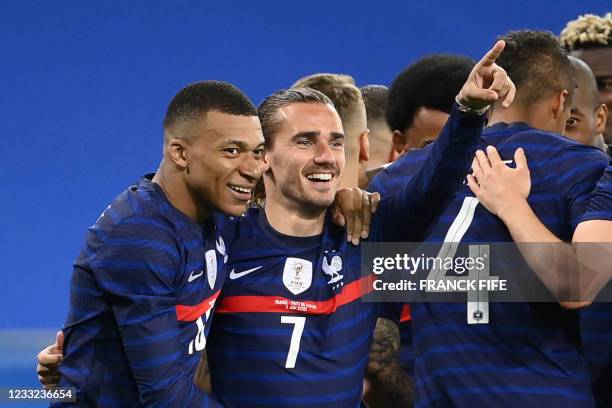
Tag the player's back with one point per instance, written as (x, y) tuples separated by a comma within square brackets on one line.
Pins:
[(529, 353), (140, 231), (290, 328)]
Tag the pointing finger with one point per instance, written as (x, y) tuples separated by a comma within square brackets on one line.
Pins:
[(491, 56)]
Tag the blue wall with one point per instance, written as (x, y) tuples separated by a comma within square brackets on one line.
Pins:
[(85, 84)]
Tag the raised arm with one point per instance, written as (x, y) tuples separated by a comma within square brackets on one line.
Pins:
[(420, 199)]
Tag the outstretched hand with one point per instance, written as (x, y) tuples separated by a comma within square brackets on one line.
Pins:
[(488, 82)]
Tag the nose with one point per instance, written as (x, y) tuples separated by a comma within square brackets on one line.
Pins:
[(324, 154), (251, 168)]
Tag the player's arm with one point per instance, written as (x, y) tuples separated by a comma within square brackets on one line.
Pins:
[(388, 385), (419, 201), (568, 270), (202, 377), (138, 270)]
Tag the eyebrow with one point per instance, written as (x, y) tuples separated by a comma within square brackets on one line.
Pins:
[(241, 144), (576, 111), (314, 134)]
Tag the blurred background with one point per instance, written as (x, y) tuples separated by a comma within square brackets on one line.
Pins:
[(85, 86)]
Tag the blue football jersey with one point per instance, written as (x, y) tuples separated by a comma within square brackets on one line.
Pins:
[(290, 327), (141, 295), (389, 181), (596, 320), (509, 354)]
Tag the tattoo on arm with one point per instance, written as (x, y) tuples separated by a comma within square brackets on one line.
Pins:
[(202, 376), (388, 383)]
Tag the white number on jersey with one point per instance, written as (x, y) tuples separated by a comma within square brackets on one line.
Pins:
[(296, 336), (477, 301), (199, 342)]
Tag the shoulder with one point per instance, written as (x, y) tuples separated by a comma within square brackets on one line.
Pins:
[(134, 217), (232, 229), (397, 172), (545, 149)]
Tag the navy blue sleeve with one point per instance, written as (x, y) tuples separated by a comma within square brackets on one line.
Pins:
[(137, 269), (405, 215), (378, 184), (600, 205), (580, 168)]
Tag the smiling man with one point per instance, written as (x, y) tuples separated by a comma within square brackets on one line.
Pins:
[(148, 275), (290, 327)]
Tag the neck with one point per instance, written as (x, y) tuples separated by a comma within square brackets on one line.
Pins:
[(535, 116), (352, 163), (293, 220), (174, 187), (350, 176)]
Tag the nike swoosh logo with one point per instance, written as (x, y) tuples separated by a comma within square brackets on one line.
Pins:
[(193, 277), (234, 275)]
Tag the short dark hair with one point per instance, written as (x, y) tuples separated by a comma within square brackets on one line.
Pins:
[(375, 98), (431, 82), (196, 99), (268, 109), (537, 64)]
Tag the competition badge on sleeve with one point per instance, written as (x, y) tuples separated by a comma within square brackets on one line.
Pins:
[(211, 267)]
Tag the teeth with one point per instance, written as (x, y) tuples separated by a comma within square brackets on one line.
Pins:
[(319, 176), (241, 189)]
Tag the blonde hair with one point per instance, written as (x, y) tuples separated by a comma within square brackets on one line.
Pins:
[(339, 88), (587, 30)]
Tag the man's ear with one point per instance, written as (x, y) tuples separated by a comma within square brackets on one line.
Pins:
[(177, 152), (601, 118), (559, 104), (399, 142), (266, 162), (364, 146)]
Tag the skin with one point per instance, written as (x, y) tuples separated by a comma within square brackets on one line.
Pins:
[(550, 114), (381, 139), (357, 147), (587, 117), (205, 160), (598, 59), (309, 141), (426, 126)]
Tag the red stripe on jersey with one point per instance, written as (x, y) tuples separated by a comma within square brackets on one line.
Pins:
[(278, 304), (405, 316), (187, 313)]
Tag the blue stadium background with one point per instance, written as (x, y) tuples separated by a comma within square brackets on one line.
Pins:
[(85, 84)]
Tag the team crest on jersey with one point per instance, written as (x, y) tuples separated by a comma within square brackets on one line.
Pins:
[(297, 275), (332, 265), (211, 267)]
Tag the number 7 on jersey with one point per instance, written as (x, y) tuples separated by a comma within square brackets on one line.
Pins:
[(296, 336)]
